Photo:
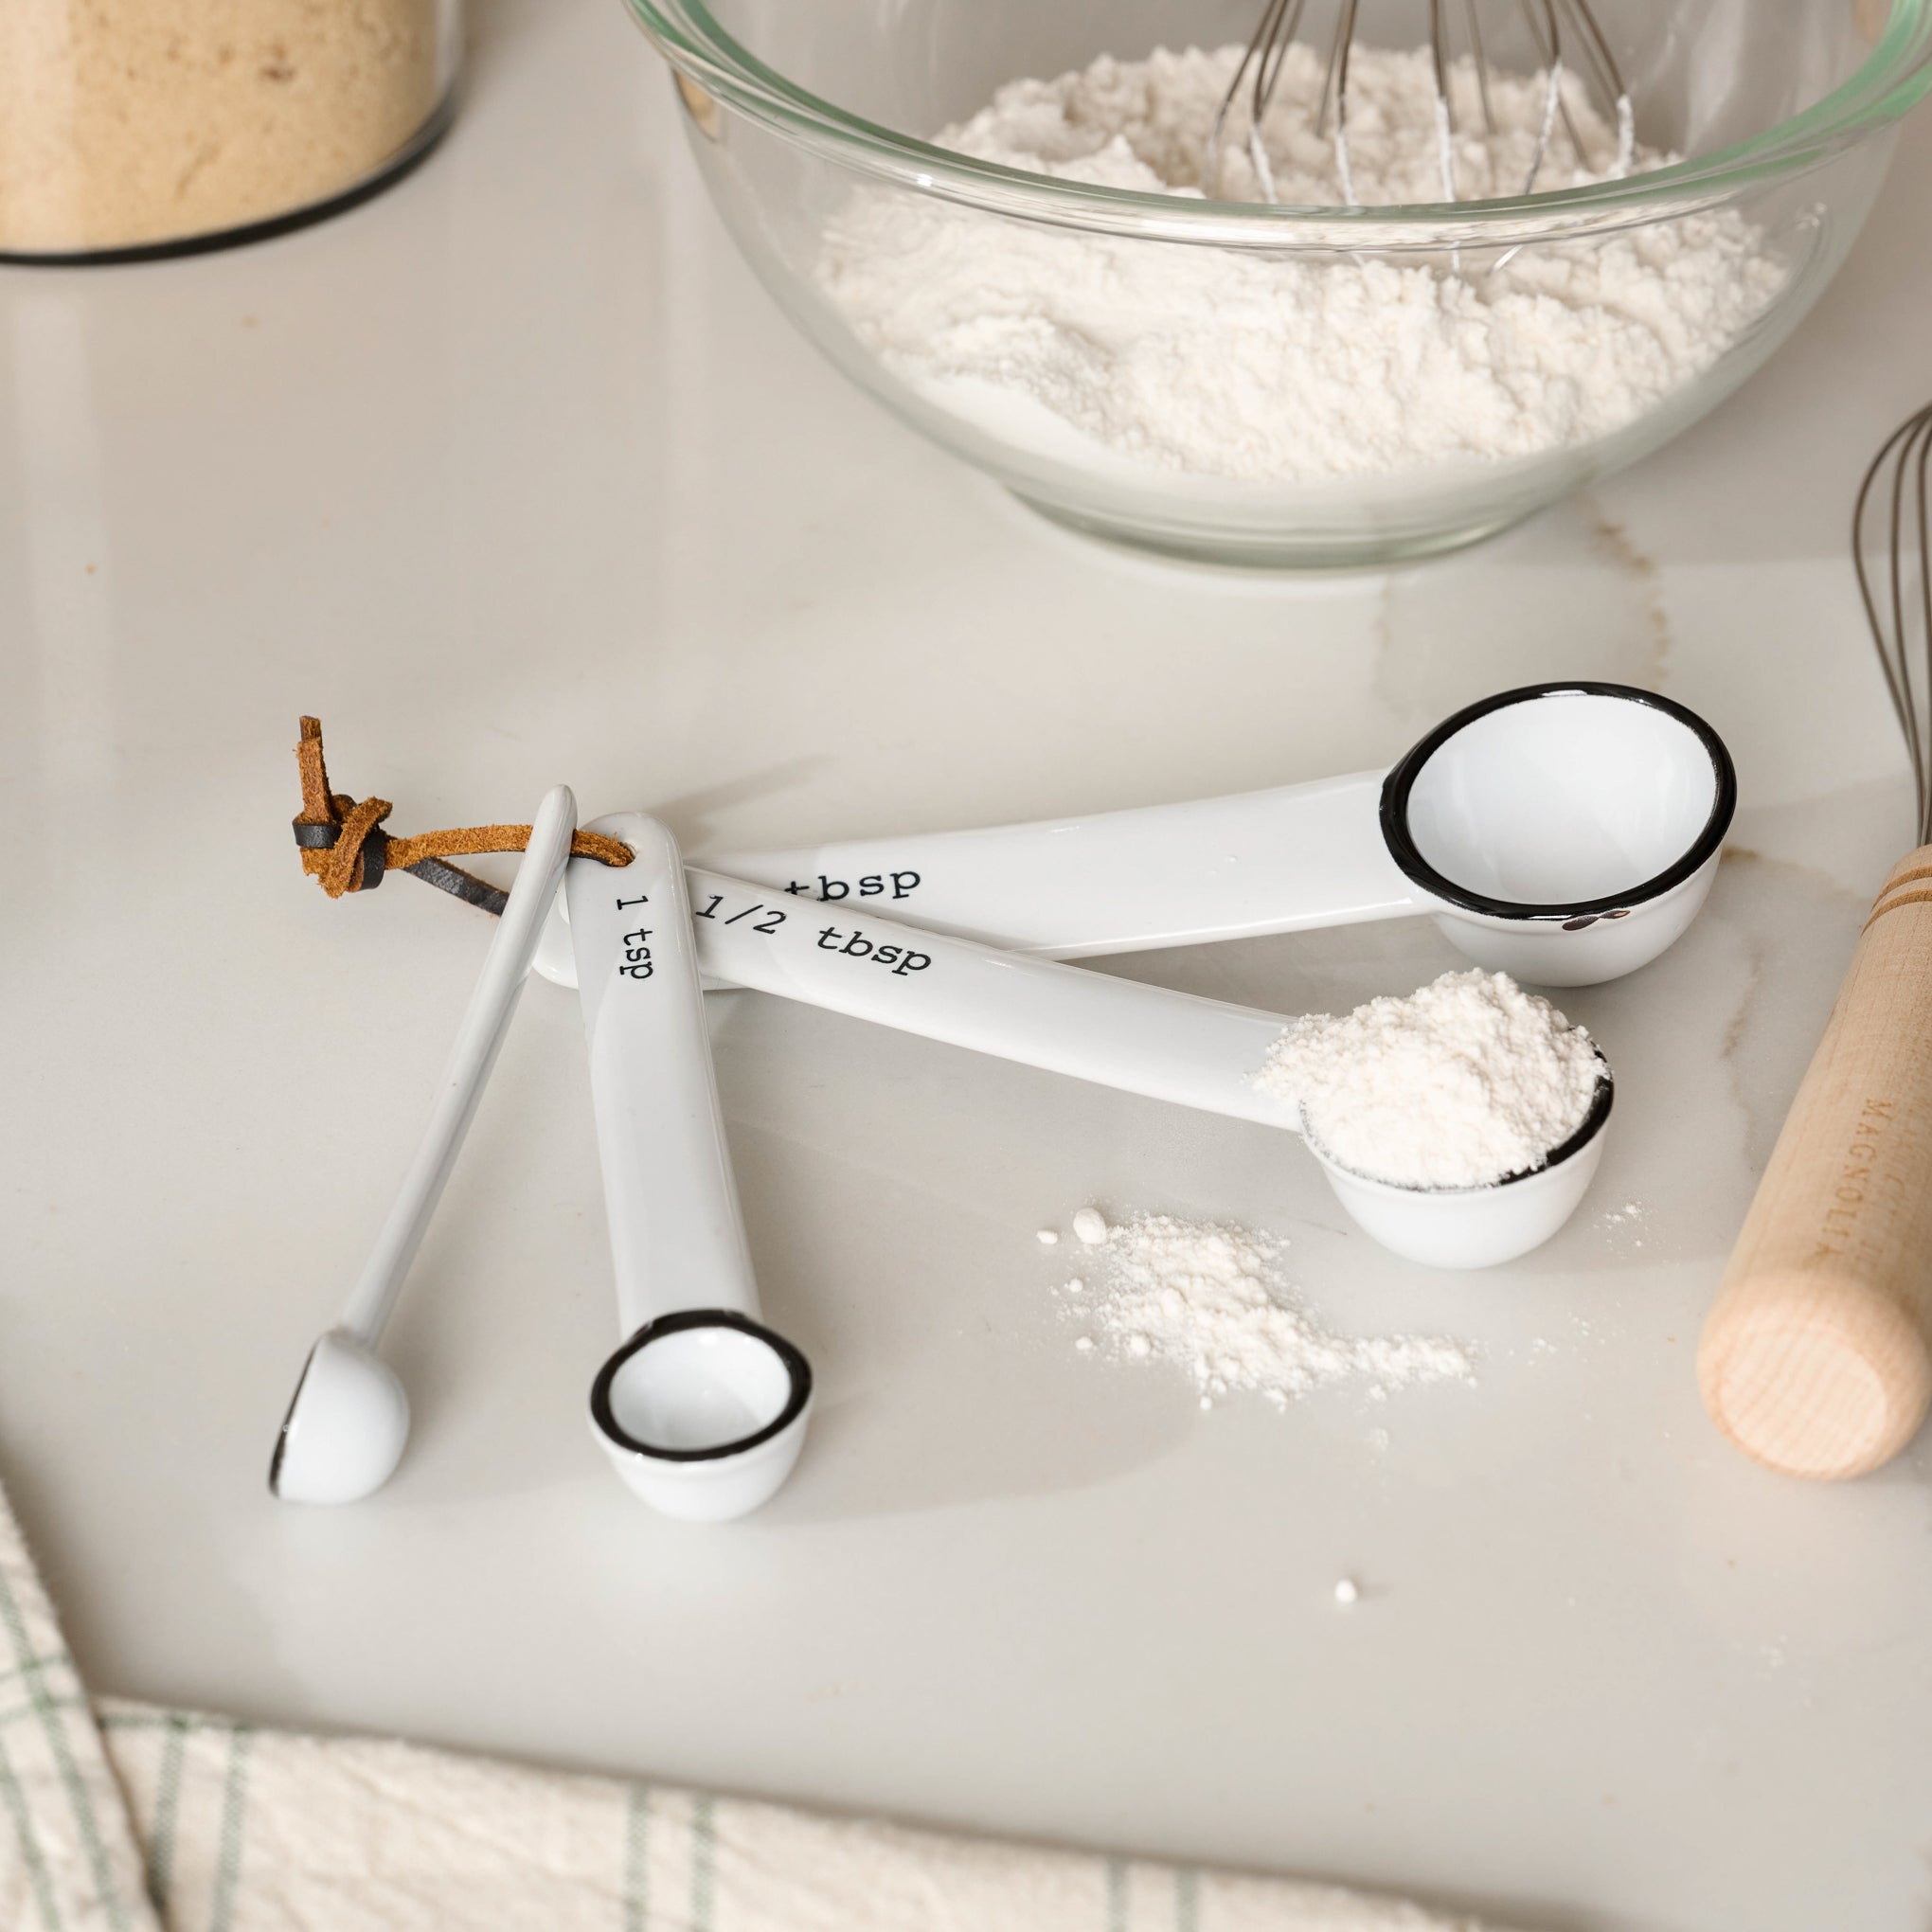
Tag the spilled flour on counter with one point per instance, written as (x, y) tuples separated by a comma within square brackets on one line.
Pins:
[(1108, 350), (1456, 1085), (1209, 1299)]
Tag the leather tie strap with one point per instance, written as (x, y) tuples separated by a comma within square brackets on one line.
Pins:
[(343, 843)]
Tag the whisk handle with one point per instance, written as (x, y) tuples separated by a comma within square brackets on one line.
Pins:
[(1816, 1358)]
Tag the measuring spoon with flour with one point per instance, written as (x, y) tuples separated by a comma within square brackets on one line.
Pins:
[(702, 1409), (1117, 1032)]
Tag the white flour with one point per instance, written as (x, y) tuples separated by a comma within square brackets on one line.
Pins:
[(1209, 1299), (1090, 1225), (1455, 1086), (1217, 363)]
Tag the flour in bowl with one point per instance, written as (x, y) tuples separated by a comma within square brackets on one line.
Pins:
[(1456, 1085), (1108, 349)]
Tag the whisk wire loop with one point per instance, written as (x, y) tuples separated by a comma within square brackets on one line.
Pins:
[(1269, 28), (1553, 25), (1338, 70), (1473, 11), (1598, 51), (1445, 126), (1891, 531), (1267, 72), (1546, 29)]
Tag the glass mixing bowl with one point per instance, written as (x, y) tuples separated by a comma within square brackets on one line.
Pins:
[(800, 114)]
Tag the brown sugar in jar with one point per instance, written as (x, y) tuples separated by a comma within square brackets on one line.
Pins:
[(140, 125)]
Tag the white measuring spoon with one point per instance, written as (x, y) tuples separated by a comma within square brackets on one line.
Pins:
[(702, 1409), (348, 1419), (1566, 833), (1144, 1039)]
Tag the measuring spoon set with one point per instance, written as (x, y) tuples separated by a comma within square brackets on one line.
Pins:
[(1566, 833), (701, 1409)]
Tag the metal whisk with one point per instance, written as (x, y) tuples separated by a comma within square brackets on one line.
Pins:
[(1891, 545), (1567, 36)]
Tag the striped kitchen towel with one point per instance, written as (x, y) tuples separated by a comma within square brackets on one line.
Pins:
[(118, 1817), (68, 1860)]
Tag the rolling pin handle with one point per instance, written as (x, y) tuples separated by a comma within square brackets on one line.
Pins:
[(1815, 1358)]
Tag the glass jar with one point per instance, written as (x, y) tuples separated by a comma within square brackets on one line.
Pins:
[(134, 128)]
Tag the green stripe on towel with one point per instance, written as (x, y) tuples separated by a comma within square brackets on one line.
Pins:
[(636, 1850), (15, 1800), (166, 1809), (61, 1747), (703, 1863), (1186, 1901), (234, 1815)]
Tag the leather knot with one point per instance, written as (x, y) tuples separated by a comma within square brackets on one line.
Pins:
[(343, 845), (351, 856)]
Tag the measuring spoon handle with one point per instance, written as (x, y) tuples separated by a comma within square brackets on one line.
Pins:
[(1117, 1032), (678, 1238), (479, 1038), (1165, 875)]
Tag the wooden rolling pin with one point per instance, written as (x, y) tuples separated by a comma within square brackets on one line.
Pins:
[(1815, 1359)]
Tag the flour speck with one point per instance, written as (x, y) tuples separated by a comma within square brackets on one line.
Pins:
[(1090, 1225)]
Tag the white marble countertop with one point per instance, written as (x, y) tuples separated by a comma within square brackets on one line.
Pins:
[(514, 477)]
